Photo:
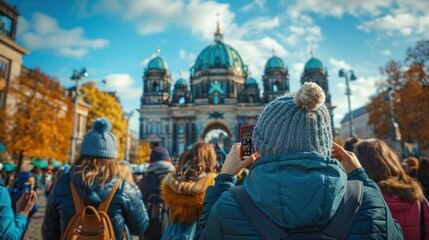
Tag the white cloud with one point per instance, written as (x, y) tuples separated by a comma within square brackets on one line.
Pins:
[(145, 61), (43, 32), (386, 53), (338, 64), (402, 23), (255, 4), (261, 24), (123, 83), (362, 89), (338, 8), (182, 54)]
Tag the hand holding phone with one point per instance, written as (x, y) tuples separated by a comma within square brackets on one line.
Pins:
[(247, 148), (27, 187)]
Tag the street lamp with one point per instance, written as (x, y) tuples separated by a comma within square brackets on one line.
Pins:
[(346, 74), (77, 76), (394, 127), (128, 115)]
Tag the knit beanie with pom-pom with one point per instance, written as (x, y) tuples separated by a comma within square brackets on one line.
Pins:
[(298, 122), (99, 141)]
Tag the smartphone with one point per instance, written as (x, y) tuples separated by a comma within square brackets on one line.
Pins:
[(27, 187), (247, 148)]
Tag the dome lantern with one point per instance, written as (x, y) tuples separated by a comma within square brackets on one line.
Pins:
[(218, 36)]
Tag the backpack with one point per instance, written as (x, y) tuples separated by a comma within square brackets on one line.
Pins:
[(338, 226), (157, 209), (90, 226)]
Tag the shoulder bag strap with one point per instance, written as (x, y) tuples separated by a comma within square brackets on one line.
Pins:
[(422, 220), (340, 224), (104, 205), (263, 225), (78, 203)]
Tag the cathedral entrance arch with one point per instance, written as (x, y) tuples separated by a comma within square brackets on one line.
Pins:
[(218, 131)]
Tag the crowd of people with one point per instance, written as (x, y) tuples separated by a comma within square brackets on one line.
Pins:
[(298, 184)]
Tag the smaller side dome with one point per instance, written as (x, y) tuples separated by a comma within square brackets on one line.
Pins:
[(250, 81), (181, 83), (157, 63), (313, 63), (274, 62)]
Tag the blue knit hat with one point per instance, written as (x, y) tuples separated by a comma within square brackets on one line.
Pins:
[(99, 142), (297, 122)]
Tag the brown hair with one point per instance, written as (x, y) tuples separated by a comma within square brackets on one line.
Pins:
[(200, 158), (384, 167), (423, 168), (125, 172), (98, 170)]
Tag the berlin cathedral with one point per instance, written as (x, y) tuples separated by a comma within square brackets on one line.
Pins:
[(220, 95)]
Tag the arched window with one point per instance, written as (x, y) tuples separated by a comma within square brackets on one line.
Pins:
[(181, 129), (276, 86), (182, 100), (251, 98), (155, 87), (154, 128)]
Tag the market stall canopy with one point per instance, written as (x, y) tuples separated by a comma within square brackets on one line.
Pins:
[(40, 163), (9, 167)]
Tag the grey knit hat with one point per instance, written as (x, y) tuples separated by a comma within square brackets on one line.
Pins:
[(99, 142), (298, 122)]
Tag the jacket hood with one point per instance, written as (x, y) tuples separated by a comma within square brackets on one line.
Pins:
[(160, 167), (297, 190), (92, 194), (22, 177), (407, 192), (185, 198)]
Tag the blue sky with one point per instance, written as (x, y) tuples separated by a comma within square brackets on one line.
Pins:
[(115, 39)]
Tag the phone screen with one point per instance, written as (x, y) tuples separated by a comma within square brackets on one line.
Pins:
[(246, 140), (27, 187)]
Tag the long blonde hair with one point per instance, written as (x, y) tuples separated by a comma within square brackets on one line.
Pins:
[(96, 170)]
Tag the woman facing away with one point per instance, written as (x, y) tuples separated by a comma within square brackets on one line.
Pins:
[(93, 175), (184, 190), (298, 183), (402, 192)]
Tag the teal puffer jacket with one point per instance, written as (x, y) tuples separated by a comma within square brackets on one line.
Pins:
[(296, 190)]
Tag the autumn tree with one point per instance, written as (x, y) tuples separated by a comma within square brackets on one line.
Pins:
[(143, 153), (407, 89), (37, 120), (106, 105)]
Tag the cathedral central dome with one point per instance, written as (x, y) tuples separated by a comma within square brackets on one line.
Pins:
[(218, 55)]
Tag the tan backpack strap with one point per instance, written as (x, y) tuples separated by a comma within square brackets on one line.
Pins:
[(78, 203), (104, 205)]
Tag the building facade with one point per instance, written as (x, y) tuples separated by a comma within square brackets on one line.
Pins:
[(361, 129), (220, 95)]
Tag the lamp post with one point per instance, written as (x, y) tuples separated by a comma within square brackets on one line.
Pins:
[(77, 76), (394, 127), (128, 115), (346, 75)]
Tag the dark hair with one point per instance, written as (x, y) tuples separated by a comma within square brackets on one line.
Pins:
[(350, 143), (423, 170), (384, 167), (200, 158)]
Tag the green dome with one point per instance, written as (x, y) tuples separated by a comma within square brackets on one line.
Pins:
[(275, 62), (157, 63), (218, 55), (313, 63), (250, 81), (181, 83)]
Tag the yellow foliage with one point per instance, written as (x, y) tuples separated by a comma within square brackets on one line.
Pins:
[(37, 121), (143, 153), (105, 105)]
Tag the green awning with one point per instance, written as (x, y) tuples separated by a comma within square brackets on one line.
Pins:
[(40, 163), (3, 147), (9, 167)]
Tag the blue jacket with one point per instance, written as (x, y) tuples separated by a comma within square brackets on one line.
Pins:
[(17, 189), (11, 226), (296, 190), (126, 211)]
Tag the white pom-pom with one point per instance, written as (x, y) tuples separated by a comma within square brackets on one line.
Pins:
[(310, 96)]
